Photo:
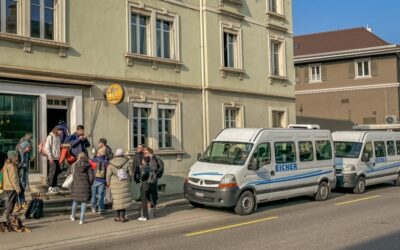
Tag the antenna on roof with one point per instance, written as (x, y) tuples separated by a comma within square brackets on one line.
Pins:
[(369, 28)]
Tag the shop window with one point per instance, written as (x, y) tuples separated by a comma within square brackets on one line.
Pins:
[(18, 119)]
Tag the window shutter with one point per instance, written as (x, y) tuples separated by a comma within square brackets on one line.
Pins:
[(297, 72), (306, 74), (351, 70), (374, 67), (324, 73)]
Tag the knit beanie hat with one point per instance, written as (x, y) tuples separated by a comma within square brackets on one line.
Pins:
[(12, 154), (119, 152)]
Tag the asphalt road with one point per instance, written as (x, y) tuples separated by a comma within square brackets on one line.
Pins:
[(346, 221)]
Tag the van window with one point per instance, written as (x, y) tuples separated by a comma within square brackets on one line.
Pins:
[(380, 149), (324, 150), (391, 148), (306, 151), (228, 153), (285, 152), (347, 149), (398, 147), (263, 154), (368, 149)]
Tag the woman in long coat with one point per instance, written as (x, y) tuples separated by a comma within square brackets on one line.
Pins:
[(81, 185), (119, 175)]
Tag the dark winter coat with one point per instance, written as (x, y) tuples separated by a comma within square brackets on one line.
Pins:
[(120, 190), (100, 160), (78, 145), (138, 163), (82, 181), (144, 177)]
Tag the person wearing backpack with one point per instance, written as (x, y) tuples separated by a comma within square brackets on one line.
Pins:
[(156, 172), (99, 166), (11, 184), (81, 185), (52, 149), (144, 188), (118, 180)]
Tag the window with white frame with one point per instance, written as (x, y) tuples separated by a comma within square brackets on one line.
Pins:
[(8, 16), (163, 38), (166, 114), (230, 50), (156, 125), (231, 117), (42, 19), (275, 58), (140, 125), (363, 68), (139, 33), (315, 73), (153, 33), (275, 6), (278, 119)]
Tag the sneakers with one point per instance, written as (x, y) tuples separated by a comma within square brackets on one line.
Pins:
[(94, 210), (72, 218), (53, 190), (102, 211), (81, 222), (142, 218)]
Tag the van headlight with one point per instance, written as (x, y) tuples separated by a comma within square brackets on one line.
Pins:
[(228, 181), (349, 168)]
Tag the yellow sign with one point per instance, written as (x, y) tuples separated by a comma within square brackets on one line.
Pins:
[(115, 94)]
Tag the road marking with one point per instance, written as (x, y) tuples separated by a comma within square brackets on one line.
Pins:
[(357, 200), (230, 226)]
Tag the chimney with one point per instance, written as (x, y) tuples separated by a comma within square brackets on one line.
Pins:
[(369, 28)]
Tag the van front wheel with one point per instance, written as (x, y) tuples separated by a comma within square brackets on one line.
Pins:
[(323, 191), (246, 203), (360, 186)]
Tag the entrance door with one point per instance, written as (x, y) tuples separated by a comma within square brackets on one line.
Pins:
[(57, 110)]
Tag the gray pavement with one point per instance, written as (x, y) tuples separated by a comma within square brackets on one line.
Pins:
[(346, 221)]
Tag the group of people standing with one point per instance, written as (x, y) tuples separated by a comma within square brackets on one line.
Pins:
[(92, 178)]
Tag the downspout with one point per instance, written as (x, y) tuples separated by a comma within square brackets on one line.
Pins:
[(203, 75)]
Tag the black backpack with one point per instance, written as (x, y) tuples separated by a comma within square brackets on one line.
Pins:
[(160, 170), (35, 209)]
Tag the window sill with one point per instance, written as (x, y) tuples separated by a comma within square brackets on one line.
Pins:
[(278, 79), (313, 82), (28, 41), (276, 15), (239, 72), (362, 77), (130, 57)]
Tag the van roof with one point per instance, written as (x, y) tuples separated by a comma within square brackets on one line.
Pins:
[(251, 134), (359, 136)]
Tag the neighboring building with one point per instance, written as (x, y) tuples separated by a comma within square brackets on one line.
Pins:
[(188, 68), (345, 78)]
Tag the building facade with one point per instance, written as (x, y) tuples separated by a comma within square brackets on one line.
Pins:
[(346, 78), (189, 68)]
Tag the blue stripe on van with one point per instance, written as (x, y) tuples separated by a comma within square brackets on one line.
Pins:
[(291, 178), (207, 173), (384, 168)]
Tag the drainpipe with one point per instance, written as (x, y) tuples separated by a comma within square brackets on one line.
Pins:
[(203, 75)]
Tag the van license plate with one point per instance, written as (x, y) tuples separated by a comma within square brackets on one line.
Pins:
[(199, 194)]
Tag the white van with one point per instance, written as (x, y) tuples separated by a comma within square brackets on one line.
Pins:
[(245, 166), (365, 158)]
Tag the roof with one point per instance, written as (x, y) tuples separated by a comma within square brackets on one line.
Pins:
[(339, 40)]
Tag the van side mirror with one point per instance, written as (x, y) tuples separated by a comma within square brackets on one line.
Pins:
[(198, 156), (253, 165), (365, 157)]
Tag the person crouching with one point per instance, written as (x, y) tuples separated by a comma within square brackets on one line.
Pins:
[(81, 185)]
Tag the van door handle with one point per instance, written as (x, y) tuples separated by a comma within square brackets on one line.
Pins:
[(272, 173), (373, 164)]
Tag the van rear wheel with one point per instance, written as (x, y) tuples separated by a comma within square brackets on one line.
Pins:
[(397, 181), (360, 186), (323, 192), (246, 203)]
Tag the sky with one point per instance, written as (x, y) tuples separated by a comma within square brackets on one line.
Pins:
[(383, 16)]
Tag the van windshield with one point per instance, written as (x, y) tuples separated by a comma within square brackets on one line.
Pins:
[(345, 149), (228, 153)]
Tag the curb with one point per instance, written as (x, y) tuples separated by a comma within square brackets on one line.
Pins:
[(89, 215)]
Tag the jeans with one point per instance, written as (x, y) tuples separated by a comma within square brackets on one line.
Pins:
[(22, 181), (54, 170), (98, 188), (83, 209), (152, 194)]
